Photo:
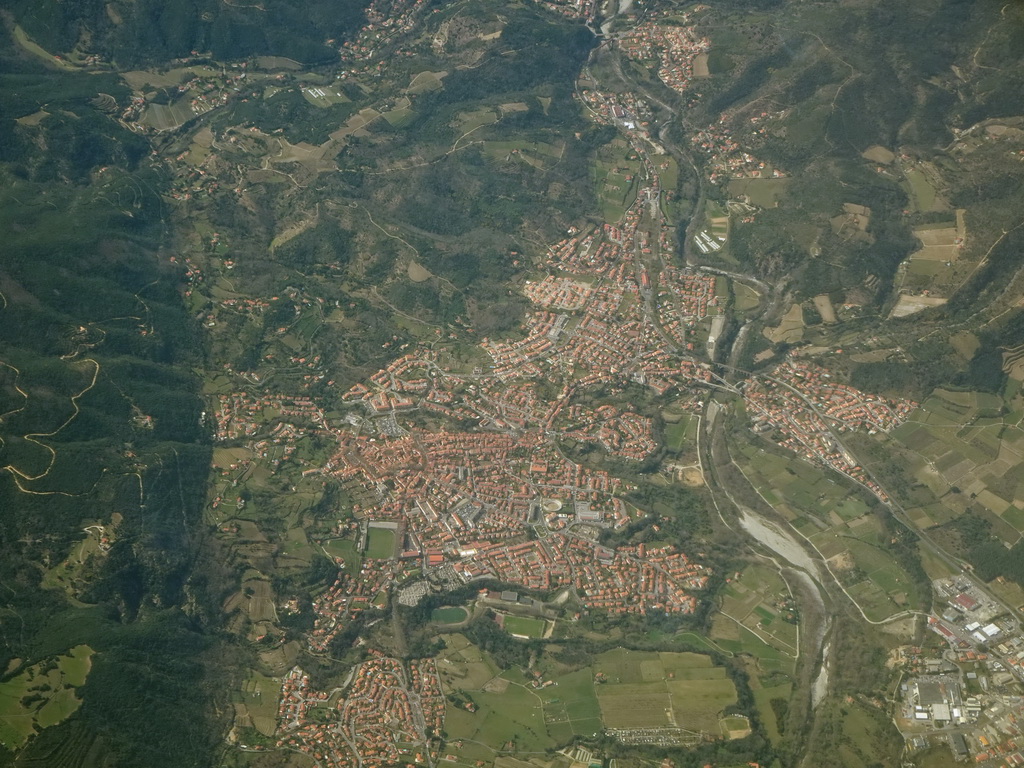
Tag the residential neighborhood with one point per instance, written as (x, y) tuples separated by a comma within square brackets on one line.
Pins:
[(389, 712)]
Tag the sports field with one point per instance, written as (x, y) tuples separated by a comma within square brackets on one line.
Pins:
[(520, 626), (449, 614), (380, 543)]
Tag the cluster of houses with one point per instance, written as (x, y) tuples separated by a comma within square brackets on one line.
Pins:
[(727, 159), (558, 292), (623, 433), (674, 46), (585, 10), (385, 705), (385, 20), (684, 299), (337, 607), (628, 580), (804, 403), (242, 414)]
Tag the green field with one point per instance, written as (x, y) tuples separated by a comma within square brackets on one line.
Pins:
[(512, 714), (764, 193), (745, 298), (570, 706), (678, 434), (426, 81), (464, 666), (622, 689), (449, 614), (380, 544), (525, 627), (347, 550), (616, 178), (649, 689), (921, 191), (42, 695), (760, 601), (259, 696), (961, 441)]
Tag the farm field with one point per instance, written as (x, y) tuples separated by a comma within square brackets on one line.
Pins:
[(922, 191), (840, 525), (259, 698), (760, 601), (622, 689), (571, 707), (744, 297), (507, 711), (463, 665), (764, 193), (790, 327), (347, 550), (616, 179), (960, 442), (649, 689)]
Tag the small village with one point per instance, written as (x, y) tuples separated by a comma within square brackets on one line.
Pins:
[(674, 47), (809, 409)]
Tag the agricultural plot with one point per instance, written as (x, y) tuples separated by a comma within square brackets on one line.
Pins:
[(426, 81), (769, 670), (509, 708), (477, 118), (964, 443), (257, 704), (681, 431), (42, 695), (538, 154), (922, 191), (840, 526), (505, 713), (790, 327), (745, 298), (570, 706), (938, 266), (68, 575), (347, 550), (616, 179), (760, 601), (623, 689), (638, 689), (464, 666), (167, 117)]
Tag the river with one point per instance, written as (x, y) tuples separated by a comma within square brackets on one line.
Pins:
[(785, 546)]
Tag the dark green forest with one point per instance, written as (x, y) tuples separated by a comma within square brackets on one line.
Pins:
[(88, 292)]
